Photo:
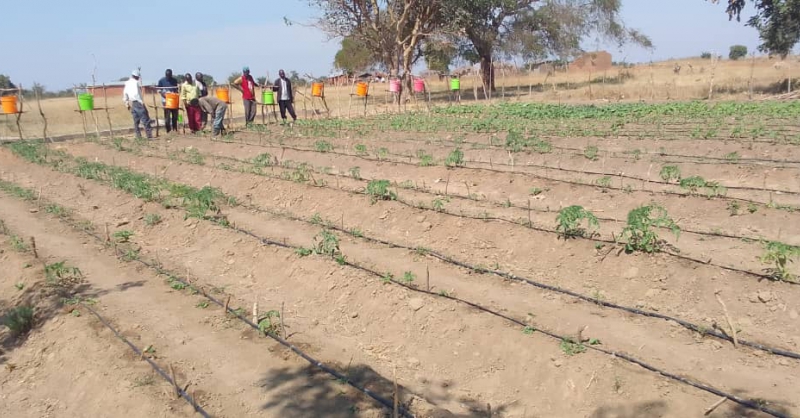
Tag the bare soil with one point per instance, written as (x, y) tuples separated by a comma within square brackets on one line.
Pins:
[(448, 358)]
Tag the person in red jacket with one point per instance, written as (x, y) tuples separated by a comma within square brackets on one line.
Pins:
[(248, 87)]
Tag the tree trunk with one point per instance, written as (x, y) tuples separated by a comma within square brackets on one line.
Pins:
[(487, 72)]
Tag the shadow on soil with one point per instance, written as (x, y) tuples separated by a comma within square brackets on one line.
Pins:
[(636, 410), (48, 299), (305, 391)]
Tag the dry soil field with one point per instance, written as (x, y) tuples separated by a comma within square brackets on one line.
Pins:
[(512, 260)]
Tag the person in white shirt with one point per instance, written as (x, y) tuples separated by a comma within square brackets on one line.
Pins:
[(132, 96), (283, 88)]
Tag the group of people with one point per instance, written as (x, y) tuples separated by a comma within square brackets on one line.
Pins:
[(282, 89), (193, 94)]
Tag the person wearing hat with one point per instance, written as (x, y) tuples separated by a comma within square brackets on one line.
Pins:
[(132, 96), (248, 88)]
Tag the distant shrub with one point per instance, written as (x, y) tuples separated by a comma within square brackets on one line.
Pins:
[(737, 51), (705, 55)]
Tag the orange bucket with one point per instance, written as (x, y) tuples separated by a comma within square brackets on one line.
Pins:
[(362, 89), (173, 101), (316, 89), (9, 104), (223, 94)]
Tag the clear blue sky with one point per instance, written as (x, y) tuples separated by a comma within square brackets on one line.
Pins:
[(220, 37)]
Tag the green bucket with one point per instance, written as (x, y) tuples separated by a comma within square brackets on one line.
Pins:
[(180, 117), (455, 84), (269, 97), (85, 101)]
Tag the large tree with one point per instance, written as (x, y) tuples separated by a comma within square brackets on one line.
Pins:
[(777, 23), (393, 29), (534, 28)]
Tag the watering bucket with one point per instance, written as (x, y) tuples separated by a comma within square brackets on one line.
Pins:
[(419, 85), (268, 97), (173, 101), (223, 94), (9, 104), (85, 102), (394, 86), (316, 89), (455, 84), (362, 89), (180, 117)]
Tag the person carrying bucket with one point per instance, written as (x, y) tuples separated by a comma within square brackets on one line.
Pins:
[(132, 96), (203, 89), (248, 88), (168, 84), (190, 94), (283, 88), (213, 106)]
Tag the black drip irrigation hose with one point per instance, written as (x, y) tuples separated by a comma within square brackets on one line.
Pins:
[(568, 170), (541, 229), (199, 409), (617, 154), (534, 175), (491, 202), (316, 363), (744, 402)]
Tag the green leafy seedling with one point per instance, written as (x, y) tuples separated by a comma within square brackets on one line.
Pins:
[(455, 158), (18, 244), (590, 152), (670, 173), (780, 255), (270, 322), (19, 320), (571, 348), (409, 277), (640, 234), (152, 219), (323, 146), (123, 236), (379, 190), (569, 222)]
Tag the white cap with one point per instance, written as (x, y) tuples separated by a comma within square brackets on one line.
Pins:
[(135, 73)]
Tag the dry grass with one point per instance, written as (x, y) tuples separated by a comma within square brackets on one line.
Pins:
[(747, 79)]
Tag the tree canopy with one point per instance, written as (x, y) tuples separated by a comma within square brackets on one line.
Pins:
[(777, 23), (355, 56), (397, 33)]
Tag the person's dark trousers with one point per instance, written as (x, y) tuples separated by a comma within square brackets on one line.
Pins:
[(139, 113), (249, 111), (285, 105), (171, 119)]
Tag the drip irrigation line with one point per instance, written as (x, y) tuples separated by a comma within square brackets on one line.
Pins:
[(450, 260), (617, 154), (744, 402), (462, 197), (567, 170), (534, 175), (545, 230), (199, 409), (316, 363)]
